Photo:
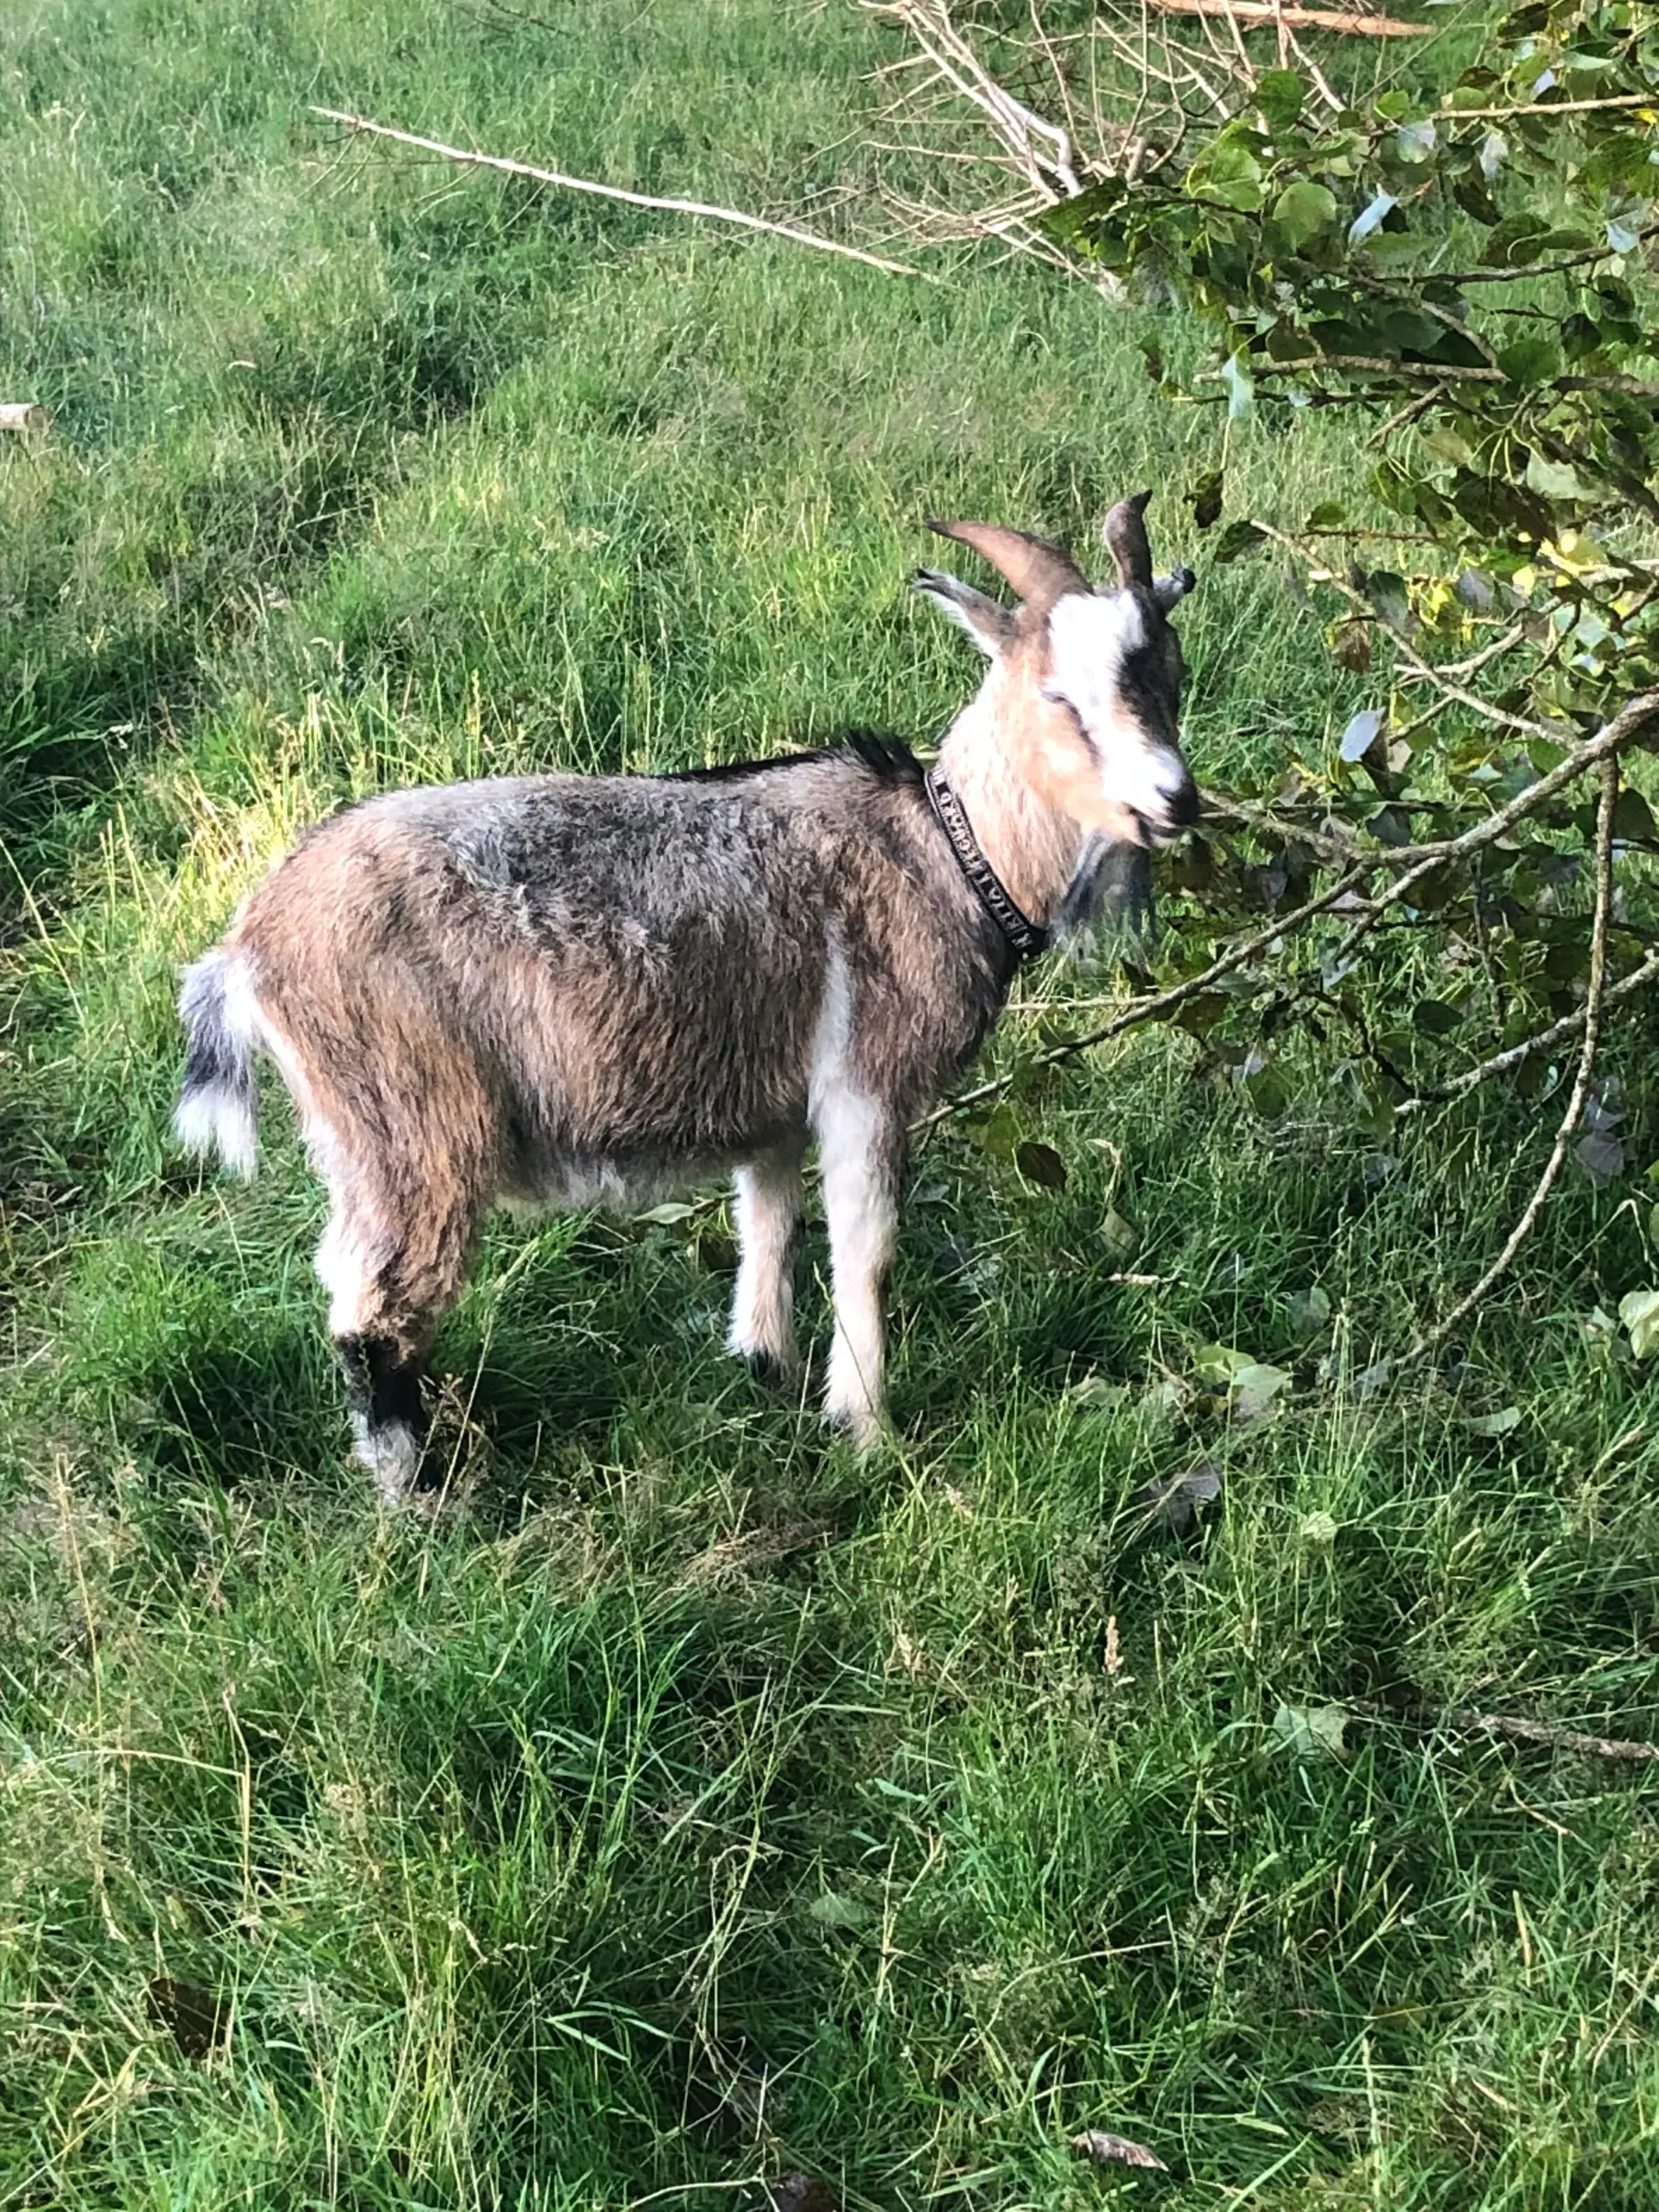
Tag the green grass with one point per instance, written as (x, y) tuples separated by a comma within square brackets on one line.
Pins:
[(692, 1803)]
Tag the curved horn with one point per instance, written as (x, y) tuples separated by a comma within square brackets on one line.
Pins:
[(1039, 572), (1125, 533)]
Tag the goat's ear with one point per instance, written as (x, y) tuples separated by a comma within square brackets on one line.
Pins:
[(990, 624), (1169, 591)]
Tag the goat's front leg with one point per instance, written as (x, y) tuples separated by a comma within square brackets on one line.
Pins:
[(861, 1151), (768, 1217)]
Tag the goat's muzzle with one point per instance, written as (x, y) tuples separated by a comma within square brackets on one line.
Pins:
[(1177, 810)]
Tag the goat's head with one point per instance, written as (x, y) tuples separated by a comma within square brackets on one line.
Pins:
[(1086, 685)]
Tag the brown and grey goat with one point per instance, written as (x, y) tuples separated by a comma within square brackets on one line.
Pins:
[(578, 990)]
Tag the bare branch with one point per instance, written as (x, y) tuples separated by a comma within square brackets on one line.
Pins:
[(359, 123)]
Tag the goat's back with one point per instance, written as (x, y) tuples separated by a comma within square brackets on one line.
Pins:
[(630, 970)]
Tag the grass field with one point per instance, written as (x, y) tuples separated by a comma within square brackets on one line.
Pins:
[(690, 1805)]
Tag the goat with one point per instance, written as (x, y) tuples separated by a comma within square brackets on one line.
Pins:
[(574, 990)]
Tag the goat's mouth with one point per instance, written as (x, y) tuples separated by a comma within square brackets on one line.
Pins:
[(1153, 834), (1178, 813)]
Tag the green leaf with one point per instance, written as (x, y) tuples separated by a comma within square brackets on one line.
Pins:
[(1313, 1731), (1310, 1310), (835, 1909), (1498, 1424), (1173, 1501), (1255, 1388), (1241, 393), (1235, 542), (1632, 816), (1556, 480), (668, 1215), (1041, 1164), (1361, 735), (1280, 95), (1387, 595), (1267, 1092), (1219, 1363), (1435, 1018), (1639, 1311), (1204, 499), (1318, 1528), (1372, 217), (999, 1134), (1227, 175), (1119, 1237), (1303, 210), (1529, 360)]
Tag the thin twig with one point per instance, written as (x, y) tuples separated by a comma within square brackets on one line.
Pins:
[(1557, 1033), (1425, 670), (1592, 1010), (1541, 107), (673, 206)]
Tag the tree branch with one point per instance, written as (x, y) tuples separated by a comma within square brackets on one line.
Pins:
[(1557, 1033), (1611, 739)]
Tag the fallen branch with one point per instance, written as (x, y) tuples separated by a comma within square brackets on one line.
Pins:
[(1259, 15), (361, 122), (1508, 1723), (1558, 1739), (1593, 1009)]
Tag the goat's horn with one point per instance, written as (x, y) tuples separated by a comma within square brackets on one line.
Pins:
[(1125, 533), (1038, 571)]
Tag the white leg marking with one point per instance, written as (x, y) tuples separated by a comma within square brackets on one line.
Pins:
[(391, 1453), (768, 1208), (855, 1152), (860, 1207), (345, 1269)]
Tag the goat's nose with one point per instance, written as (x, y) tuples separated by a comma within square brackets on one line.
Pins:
[(1184, 804)]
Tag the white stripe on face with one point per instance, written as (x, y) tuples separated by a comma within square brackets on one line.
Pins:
[(1090, 640)]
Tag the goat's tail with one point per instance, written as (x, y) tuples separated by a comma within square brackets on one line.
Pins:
[(217, 1106)]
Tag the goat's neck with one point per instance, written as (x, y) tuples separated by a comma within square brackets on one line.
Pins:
[(1034, 847)]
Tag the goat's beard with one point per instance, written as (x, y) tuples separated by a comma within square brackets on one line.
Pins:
[(1108, 906)]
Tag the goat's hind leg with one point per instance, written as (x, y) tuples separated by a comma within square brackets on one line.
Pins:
[(386, 1297), (768, 1219)]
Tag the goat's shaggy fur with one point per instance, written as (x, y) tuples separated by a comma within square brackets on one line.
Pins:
[(576, 991)]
